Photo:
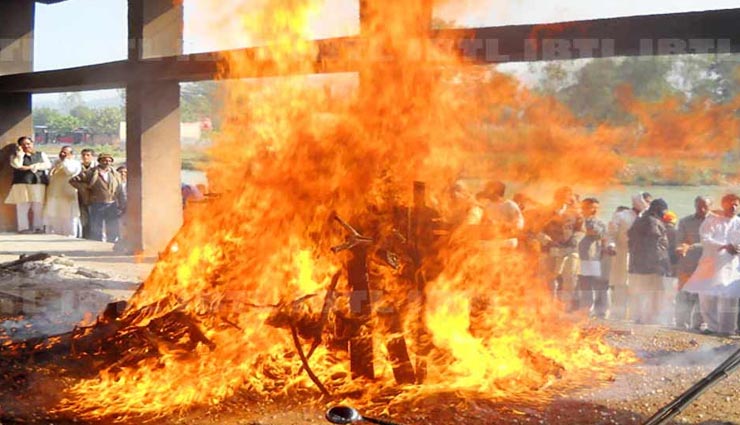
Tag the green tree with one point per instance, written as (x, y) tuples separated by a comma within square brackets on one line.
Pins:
[(705, 76), (70, 101), (106, 121), (63, 123), (199, 100), (84, 114), (554, 77), (594, 95), (43, 116), (648, 77)]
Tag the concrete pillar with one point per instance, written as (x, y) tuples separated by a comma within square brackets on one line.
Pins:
[(16, 56), (153, 154)]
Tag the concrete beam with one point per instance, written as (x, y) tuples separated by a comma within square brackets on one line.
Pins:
[(713, 31), (678, 33), (16, 56), (195, 67), (16, 36), (163, 29), (153, 156)]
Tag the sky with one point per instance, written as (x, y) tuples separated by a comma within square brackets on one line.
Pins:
[(82, 32)]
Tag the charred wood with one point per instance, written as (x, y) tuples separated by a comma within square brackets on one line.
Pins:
[(361, 330), (39, 256), (403, 370)]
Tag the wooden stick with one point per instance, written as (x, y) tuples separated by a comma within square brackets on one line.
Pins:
[(304, 360), (39, 256)]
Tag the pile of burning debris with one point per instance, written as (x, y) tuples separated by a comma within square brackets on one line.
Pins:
[(362, 320)]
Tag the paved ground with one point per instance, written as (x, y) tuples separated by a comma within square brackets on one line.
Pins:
[(68, 289), (91, 254)]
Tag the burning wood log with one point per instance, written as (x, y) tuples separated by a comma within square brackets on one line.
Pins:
[(361, 329), (420, 236), (357, 325), (360, 323), (115, 340), (296, 314), (403, 371)]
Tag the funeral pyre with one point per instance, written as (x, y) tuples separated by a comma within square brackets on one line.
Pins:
[(322, 269)]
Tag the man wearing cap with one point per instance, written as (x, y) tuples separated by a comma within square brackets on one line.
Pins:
[(106, 195)]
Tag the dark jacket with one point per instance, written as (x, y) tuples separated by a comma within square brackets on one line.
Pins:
[(100, 191), (648, 246), (688, 233), (28, 176)]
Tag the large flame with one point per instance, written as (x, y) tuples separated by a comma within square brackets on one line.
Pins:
[(293, 153)]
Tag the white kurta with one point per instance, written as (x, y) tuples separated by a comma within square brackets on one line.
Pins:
[(617, 239), (23, 193), (718, 273), (62, 210)]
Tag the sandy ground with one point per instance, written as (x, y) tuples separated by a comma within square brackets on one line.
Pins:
[(91, 254), (70, 288)]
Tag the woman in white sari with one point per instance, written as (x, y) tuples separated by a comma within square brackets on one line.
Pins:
[(62, 211)]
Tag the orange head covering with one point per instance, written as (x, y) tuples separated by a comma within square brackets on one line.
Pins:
[(670, 217)]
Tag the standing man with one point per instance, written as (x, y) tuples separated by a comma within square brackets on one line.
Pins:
[(62, 210), (107, 198), (648, 262), (560, 236), (123, 171), (29, 185), (689, 251), (617, 247), (86, 157), (592, 287), (717, 277), (502, 220)]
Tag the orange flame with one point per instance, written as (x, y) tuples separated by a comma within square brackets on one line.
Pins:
[(290, 154)]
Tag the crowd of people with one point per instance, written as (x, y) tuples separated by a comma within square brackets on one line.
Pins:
[(618, 270), (75, 198), (628, 268), (83, 198)]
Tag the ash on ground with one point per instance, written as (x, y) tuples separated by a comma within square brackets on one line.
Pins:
[(51, 295)]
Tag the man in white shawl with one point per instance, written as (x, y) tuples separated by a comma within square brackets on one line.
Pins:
[(717, 277), (617, 246), (62, 209)]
